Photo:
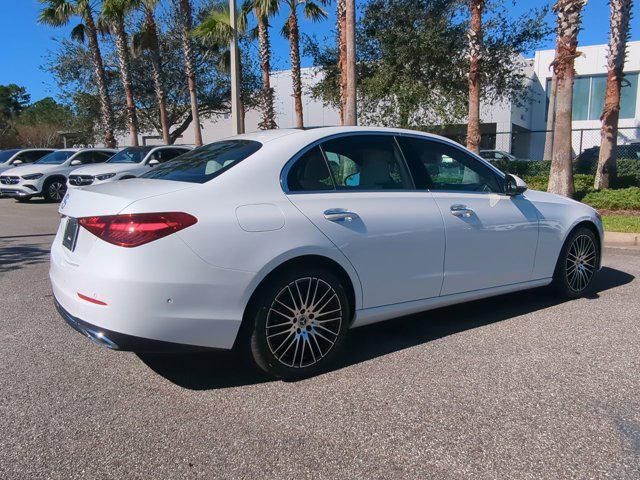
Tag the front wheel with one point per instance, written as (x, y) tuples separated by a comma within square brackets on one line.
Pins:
[(577, 264), (54, 190), (299, 323)]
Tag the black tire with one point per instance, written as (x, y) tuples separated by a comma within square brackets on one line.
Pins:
[(296, 324), (577, 264), (54, 190), (23, 199)]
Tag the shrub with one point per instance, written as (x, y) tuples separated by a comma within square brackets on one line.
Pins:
[(620, 199)]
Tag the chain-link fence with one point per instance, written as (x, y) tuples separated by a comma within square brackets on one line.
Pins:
[(536, 145)]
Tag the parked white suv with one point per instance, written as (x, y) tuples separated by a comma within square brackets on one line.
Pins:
[(47, 177), (128, 163), (19, 156)]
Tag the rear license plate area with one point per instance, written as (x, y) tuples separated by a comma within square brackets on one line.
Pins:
[(70, 234)]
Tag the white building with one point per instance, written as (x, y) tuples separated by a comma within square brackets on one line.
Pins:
[(506, 125)]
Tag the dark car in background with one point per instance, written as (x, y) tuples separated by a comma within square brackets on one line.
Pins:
[(585, 161)]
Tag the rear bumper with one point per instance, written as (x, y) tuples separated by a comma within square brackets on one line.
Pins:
[(160, 292), (121, 341)]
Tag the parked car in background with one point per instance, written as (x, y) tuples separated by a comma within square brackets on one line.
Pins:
[(492, 155), (130, 162), (20, 156), (279, 242), (588, 158), (47, 177)]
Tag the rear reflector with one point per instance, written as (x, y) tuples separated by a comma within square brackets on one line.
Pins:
[(132, 230), (92, 300)]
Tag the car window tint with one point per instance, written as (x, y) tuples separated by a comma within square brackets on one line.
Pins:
[(310, 173), (204, 163), (438, 166), (366, 162)]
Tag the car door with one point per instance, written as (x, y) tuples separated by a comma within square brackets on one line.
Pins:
[(357, 191), (491, 237)]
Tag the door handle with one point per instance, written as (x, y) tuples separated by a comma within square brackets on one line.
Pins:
[(460, 210), (340, 215)]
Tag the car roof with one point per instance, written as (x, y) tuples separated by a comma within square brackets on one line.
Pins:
[(311, 134)]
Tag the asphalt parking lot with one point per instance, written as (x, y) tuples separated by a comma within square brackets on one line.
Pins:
[(519, 386)]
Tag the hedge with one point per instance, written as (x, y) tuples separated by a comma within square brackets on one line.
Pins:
[(628, 171), (620, 199)]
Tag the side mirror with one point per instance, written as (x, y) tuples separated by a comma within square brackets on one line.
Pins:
[(75, 162), (153, 162), (17, 162), (514, 185)]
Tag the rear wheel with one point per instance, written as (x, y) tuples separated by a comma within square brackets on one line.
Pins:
[(299, 323), (577, 264), (54, 190)]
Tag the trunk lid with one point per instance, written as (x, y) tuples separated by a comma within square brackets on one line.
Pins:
[(113, 197)]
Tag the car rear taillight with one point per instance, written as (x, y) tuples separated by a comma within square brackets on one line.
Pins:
[(134, 229)]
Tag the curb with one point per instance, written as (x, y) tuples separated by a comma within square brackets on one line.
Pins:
[(619, 239)]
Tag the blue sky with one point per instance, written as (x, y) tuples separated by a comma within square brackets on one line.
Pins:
[(24, 43)]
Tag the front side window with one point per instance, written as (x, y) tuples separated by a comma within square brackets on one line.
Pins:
[(366, 162), (205, 163), (441, 167), (5, 155), (310, 173), (56, 158)]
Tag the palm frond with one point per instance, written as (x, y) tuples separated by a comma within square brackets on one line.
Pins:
[(314, 12), (78, 33), (56, 12)]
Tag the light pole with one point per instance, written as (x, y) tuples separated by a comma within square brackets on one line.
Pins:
[(236, 118)]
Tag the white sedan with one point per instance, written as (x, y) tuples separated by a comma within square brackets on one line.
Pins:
[(128, 163), (280, 242)]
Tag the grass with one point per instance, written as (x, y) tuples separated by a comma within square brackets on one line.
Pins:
[(622, 223)]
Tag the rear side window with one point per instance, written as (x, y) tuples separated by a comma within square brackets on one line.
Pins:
[(310, 173), (204, 163), (366, 162)]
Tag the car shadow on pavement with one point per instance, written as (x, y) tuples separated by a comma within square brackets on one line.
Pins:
[(14, 255), (202, 371)]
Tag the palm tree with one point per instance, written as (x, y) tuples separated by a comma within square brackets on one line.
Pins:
[(185, 22), (569, 17), (475, 52), (216, 30), (350, 102), (263, 9), (618, 36), (147, 39), (342, 54), (314, 12), (113, 15), (58, 13)]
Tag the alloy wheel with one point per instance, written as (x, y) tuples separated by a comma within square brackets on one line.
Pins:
[(303, 322), (580, 262), (57, 190)]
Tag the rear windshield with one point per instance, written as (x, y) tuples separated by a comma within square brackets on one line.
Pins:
[(130, 155), (204, 163), (56, 158)]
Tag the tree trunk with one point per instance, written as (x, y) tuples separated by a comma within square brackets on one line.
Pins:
[(294, 42), (351, 109), (101, 79), (619, 33), (551, 119), (156, 70), (186, 22), (561, 175), (475, 53), (124, 59), (342, 55), (268, 114)]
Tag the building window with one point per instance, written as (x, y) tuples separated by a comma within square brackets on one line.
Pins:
[(588, 96)]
